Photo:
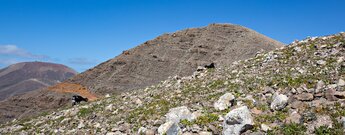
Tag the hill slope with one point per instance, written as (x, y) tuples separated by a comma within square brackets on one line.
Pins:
[(27, 76), (168, 55), (179, 53), (298, 89)]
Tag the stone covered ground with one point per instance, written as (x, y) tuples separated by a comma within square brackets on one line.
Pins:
[(297, 89)]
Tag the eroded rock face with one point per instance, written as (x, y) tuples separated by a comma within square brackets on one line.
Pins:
[(237, 121), (279, 101), (224, 101)]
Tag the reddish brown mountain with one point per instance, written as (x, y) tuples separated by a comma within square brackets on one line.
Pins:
[(28, 76)]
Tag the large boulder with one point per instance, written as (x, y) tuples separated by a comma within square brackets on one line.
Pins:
[(238, 121)]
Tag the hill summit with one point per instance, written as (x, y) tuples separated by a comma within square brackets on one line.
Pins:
[(178, 53)]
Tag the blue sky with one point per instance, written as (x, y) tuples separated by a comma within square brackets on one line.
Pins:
[(84, 33)]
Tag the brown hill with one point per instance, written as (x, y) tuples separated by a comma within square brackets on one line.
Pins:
[(179, 53), (28, 76)]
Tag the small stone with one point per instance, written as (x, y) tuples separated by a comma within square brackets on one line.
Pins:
[(109, 107), (142, 130), (107, 96), (195, 128), (81, 125), (265, 127), (332, 86), (321, 62), (319, 86), (111, 133), (343, 121), (323, 120), (188, 133), (256, 111), (237, 121), (340, 60), (298, 105), (293, 91), (309, 116), (205, 133), (340, 95), (341, 82), (279, 101), (138, 102), (169, 128), (224, 101), (329, 95), (305, 97), (294, 118), (196, 114), (150, 132)]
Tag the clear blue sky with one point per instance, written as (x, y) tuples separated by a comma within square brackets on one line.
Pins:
[(84, 33)]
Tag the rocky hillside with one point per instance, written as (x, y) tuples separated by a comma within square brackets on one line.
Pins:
[(298, 89), (27, 76), (178, 53)]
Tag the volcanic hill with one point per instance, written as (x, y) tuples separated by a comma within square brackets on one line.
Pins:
[(178, 53), (28, 76)]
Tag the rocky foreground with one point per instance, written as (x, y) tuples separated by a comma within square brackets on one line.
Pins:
[(298, 89)]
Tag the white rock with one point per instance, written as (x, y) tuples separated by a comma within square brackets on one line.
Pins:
[(323, 120), (81, 125), (169, 128), (279, 101), (340, 60), (109, 107), (320, 84), (343, 121), (179, 113), (142, 130), (321, 62), (237, 121), (97, 125), (138, 102), (341, 82), (265, 128), (205, 133), (224, 101), (196, 114), (107, 96)]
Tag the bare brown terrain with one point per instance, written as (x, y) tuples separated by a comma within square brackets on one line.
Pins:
[(178, 53), (73, 88)]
